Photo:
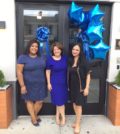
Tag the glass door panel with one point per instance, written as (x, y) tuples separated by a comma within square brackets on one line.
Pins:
[(39, 18)]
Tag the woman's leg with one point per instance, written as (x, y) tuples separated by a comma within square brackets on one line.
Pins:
[(37, 107), (30, 108), (57, 116), (74, 107), (78, 118), (62, 114)]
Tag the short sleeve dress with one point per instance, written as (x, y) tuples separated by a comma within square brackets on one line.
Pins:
[(58, 79), (34, 77)]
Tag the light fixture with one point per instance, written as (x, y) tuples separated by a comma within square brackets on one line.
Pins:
[(39, 16)]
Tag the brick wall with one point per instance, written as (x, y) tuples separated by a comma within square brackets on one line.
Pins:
[(6, 107), (114, 105)]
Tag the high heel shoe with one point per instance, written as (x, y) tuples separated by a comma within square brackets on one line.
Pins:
[(36, 124), (39, 120)]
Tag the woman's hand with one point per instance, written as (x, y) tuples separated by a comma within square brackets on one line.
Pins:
[(23, 90), (49, 87), (86, 92)]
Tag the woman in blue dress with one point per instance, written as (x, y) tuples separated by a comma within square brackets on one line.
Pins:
[(56, 73), (31, 77)]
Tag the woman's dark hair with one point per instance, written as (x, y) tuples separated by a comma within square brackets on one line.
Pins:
[(27, 51), (58, 45), (82, 59)]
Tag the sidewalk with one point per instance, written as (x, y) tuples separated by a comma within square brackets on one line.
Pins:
[(90, 124)]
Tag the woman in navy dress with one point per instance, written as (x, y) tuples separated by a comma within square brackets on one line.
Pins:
[(31, 77), (56, 73), (79, 81)]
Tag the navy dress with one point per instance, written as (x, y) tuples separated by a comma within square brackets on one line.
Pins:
[(58, 79), (76, 96), (34, 77), (77, 81)]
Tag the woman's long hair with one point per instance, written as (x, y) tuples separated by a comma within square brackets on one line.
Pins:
[(27, 51), (81, 60)]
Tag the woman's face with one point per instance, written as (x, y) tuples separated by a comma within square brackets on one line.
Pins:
[(34, 49), (56, 51), (76, 51)]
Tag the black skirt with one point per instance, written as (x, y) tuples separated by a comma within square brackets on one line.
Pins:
[(76, 96)]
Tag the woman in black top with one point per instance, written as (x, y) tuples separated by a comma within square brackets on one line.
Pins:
[(79, 80)]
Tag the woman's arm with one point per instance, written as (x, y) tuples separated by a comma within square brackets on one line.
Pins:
[(48, 72), (86, 90), (20, 78)]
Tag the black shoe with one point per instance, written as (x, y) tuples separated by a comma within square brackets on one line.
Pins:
[(39, 120), (35, 124)]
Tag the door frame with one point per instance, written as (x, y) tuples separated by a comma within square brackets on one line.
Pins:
[(90, 108)]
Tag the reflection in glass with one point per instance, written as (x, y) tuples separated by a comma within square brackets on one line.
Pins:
[(37, 18), (44, 13), (93, 96)]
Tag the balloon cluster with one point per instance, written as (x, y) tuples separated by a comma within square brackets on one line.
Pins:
[(90, 27), (42, 34)]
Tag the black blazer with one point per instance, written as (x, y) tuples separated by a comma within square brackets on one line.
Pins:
[(83, 70)]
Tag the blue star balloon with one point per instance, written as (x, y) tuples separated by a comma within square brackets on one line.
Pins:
[(96, 13), (94, 32), (83, 24), (81, 36), (79, 17), (75, 13), (86, 50), (100, 50), (91, 25), (96, 22)]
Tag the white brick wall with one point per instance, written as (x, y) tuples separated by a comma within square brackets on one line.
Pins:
[(8, 40), (114, 34)]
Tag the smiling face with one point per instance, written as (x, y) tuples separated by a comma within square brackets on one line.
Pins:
[(34, 49), (76, 51), (57, 51)]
